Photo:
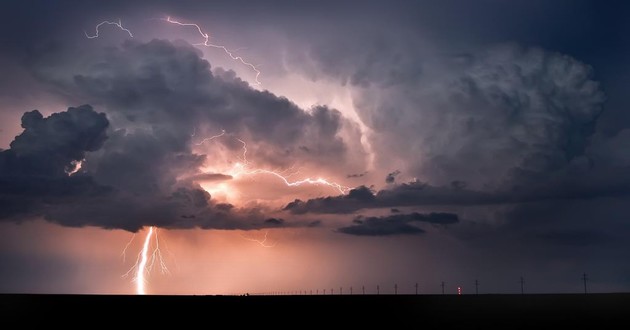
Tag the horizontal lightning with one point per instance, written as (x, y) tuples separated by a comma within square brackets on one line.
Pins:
[(242, 169), (318, 181)]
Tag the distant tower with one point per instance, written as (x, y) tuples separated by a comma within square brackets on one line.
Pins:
[(442, 287), (522, 285), (416, 288), (378, 290), (363, 289), (476, 287), (584, 278), (350, 290), (395, 288)]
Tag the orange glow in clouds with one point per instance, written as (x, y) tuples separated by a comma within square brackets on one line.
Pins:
[(228, 190)]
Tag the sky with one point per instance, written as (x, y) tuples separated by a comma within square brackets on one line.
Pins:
[(217, 147)]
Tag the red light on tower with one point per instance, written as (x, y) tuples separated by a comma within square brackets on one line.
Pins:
[(459, 290)]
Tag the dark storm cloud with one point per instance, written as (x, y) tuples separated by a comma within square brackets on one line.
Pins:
[(168, 87), (356, 199), (396, 224), (275, 221), (35, 179), (584, 185), (155, 95), (35, 168), (48, 146), (391, 177)]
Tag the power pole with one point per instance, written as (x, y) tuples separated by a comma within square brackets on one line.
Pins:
[(332, 291), (522, 288), (584, 278), (350, 290), (395, 288), (340, 290), (324, 291), (378, 290), (442, 287), (416, 288), (476, 287), (363, 289)]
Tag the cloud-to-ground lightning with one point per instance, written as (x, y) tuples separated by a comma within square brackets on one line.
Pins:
[(150, 255), (262, 242), (207, 43), (118, 24), (143, 263), (146, 260)]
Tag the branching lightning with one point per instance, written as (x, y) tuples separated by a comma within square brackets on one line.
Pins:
[(262, 242), (118, 24), (124, 251), (206, 43), (242, 168), (318, 181), (150, 256), (146, 260)]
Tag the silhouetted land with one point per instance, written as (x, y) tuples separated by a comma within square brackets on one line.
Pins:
[(530, 311)]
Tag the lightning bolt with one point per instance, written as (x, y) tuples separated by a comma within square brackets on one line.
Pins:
[(146, 260), (118, 24), (124, 251), (318, 181), (143, 264), (242, 169), (244, 156), (261, 242), (210, 138), (206, 43)]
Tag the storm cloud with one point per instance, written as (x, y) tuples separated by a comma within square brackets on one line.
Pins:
[(396, 224), (139, 165)]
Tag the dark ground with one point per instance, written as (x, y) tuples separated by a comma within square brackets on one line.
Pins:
[(530, 311)]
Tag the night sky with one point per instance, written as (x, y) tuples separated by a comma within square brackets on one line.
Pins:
[(215, 147)]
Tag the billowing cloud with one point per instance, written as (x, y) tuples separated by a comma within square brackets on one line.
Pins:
[(141, 159), (479, 117), (168, 88), (396, 224), (48, 146)]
